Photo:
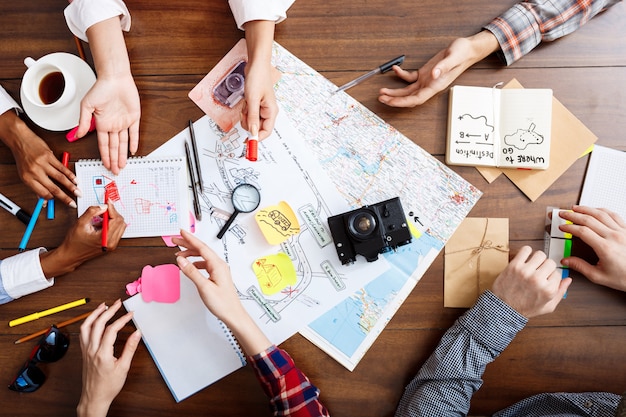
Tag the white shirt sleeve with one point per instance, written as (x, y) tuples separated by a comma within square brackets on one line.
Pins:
[(80, 15), (247, 10), (22, 274), (7, 102)]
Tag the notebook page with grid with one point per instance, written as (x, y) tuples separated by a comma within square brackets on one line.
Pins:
[(605, 179), (151, 193)]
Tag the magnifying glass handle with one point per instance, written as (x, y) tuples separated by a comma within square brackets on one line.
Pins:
[(227, 225)]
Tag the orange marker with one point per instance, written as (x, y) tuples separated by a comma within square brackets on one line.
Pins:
[(252, 148)]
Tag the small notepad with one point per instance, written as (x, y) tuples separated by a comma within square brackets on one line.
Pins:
[(507, 128), (151, 193), (605, 179), (191, 347)]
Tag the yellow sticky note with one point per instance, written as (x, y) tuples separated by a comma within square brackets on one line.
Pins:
[(277, 223), (274, 272)]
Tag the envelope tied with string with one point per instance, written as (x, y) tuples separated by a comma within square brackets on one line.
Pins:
[(475, 255)]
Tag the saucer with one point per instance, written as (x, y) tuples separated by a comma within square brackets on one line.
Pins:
[(64, 118)]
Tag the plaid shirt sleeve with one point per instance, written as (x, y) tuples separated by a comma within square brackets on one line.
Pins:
[(528, 23), (446, 382), (289, 390)]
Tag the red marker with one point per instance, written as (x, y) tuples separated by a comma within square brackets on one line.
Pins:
[(105, 222), (65, 160), (252, 148)]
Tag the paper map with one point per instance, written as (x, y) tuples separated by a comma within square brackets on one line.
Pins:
[(370, 161)]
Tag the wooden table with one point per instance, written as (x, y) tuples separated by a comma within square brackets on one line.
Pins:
[(172, 45)]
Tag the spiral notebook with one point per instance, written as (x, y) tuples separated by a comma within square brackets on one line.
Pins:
[(151, 193), (191, 347)]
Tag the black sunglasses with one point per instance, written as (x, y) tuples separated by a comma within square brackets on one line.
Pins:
[(51, 347)]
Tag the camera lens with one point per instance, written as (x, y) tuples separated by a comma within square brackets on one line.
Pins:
[(362, 224), (234, 82)]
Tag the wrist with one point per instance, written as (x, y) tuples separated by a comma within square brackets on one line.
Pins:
[(108, 48), (87, 408), (483, 44), (259, 39), (11, 129), (59, 261)]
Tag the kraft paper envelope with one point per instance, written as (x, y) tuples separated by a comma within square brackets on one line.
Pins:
[(474, 256), (570, 140)]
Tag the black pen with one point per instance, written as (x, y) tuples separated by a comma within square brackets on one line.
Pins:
[(380, 70), (196, 157), (196, 202), (14, 209)]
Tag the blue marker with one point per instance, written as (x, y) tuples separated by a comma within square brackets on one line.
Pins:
[(51, 209), (31, 225)]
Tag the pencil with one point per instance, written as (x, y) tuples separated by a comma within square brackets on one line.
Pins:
[(62, 324), (79, 46), (47, 312), (31, 225), (105, 222)]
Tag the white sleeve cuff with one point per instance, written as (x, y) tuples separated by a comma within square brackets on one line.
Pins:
[(22, 274), (80, 15), (7, 102), (247, 10)]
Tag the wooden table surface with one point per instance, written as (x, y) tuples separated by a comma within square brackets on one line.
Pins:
[(172, 45)]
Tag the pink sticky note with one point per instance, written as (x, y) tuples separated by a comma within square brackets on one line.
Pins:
[(160, 284)]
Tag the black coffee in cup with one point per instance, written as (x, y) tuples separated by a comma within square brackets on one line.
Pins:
[(51, 87)]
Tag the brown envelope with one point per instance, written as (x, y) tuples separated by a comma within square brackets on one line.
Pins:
[(474, 256), (570, 140)]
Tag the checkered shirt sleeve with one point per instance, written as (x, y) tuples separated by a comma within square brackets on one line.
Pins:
[(446, 382), (528, 23), (289, 390)]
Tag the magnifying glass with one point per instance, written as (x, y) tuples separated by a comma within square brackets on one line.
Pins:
[(246, 198)]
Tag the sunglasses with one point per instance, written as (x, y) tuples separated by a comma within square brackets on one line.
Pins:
[(51, 347)]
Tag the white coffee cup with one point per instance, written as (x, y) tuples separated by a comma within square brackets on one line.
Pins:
[(47, 85)]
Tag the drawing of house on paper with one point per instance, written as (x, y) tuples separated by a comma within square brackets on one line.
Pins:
[(147, 193)]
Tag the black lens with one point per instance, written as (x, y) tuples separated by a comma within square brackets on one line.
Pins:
[(52, 346), (362, 224), (29, 379)]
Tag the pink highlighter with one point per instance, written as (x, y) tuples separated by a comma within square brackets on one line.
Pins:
[(71, 135)]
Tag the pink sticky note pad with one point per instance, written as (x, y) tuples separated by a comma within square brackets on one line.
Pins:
[(160, 284)]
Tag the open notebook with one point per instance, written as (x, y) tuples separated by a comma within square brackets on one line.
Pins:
[(151, 193), (605, 179), (191, 347)]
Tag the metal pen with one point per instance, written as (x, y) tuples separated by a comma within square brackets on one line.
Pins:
[(196, 202), (196, 157), (380, 70)]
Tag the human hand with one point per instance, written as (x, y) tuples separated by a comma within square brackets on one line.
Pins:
[(440, 71), (114, 102), (531, 284), (84, 241), (36, 165), (104, 375), (259, 111), (218, 291), (605, 232)]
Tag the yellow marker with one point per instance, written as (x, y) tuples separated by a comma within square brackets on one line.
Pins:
[(47, 312)]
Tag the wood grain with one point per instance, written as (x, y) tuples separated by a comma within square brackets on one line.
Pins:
[(172, 45)]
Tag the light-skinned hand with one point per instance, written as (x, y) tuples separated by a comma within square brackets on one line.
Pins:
[(260, 109), (440, 71), (531, 284), (217, 291), (114, 102), (605, 232), (104, 375)]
